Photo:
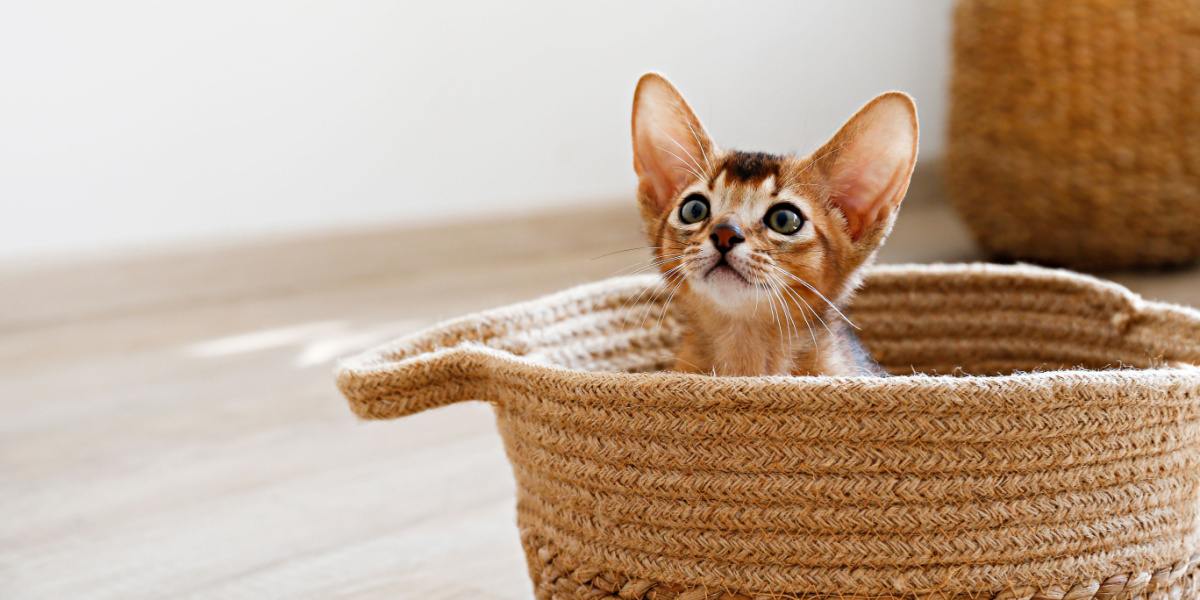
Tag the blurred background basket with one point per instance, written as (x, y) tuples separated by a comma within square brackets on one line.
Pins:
[(1075, 130), (1070, 483)]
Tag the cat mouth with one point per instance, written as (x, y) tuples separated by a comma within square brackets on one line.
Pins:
[(723, 268)]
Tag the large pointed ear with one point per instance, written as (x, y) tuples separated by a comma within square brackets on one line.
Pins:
[(869, 162), (670, 147)]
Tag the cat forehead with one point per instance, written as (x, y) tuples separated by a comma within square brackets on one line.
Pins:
[(746, 183), (748, 168), (746, 179)]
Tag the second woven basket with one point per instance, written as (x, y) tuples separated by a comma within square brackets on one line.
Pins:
[(1075, 130), (1073, 474)]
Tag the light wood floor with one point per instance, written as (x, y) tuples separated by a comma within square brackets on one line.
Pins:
[(169, 426)]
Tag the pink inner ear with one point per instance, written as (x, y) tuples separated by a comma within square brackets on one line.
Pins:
[(870, 172), (866, 193), (666, 173), (670, 147)]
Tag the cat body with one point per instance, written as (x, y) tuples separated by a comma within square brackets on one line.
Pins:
[(760, 251)]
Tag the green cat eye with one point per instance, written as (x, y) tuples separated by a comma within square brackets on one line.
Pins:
[(694, 209), (784, 218)]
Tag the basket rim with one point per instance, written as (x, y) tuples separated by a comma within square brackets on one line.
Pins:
[(766, 383), (407, 358), (909, 393)]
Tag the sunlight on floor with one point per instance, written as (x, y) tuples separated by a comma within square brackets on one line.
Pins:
[(315, 343)]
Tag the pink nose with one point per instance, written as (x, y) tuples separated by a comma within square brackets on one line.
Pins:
[(725, 236)]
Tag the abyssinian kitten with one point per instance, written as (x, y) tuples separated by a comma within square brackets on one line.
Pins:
[(761, 251)]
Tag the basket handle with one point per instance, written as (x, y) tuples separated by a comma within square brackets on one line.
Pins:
[(380, 387)]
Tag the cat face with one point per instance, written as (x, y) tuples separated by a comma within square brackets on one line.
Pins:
[(738, 230), (746, 228)]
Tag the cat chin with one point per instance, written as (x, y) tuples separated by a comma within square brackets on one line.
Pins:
[(727, 289)]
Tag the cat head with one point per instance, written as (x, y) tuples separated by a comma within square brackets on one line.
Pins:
[(734, 228)]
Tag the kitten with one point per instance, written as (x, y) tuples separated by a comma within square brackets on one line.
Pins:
[(761, 251)]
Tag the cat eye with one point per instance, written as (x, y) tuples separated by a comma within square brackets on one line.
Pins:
[(784, 218), (694, 209)]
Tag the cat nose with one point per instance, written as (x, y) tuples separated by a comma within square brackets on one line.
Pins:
[(725, 236)]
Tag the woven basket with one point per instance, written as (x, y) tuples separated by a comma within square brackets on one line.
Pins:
[(1035, 483), (1075, 130)]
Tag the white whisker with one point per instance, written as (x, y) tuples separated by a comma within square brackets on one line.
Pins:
[(774, 316), (638, 268), (615, 252), (822, 297), (777, 285), (787, 312), (807, 305), (667, 305), (638, 298), (699, 144), (812, 333), (695, 162), (684, 164), (670, 297)]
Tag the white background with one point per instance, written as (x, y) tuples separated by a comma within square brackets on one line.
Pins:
[(125, 124)]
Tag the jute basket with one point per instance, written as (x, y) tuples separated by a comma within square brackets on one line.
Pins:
[(1075, 130), (1073, 474)]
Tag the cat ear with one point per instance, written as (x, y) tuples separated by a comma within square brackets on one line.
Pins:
[(869, 162), (670, 147)]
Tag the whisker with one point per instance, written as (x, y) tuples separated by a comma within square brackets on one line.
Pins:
[(811, 332), (684, 164), (654, 262), (699, 144), (787, 313), (774, 316), (809, 306), (758, 287), (629, 302), (607, 254), (643, 268), (666, 305), (812, 163), (783, 302), (699, 167), (671, 273), (821, 296)]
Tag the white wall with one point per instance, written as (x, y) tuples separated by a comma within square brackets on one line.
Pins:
[(125, 123)]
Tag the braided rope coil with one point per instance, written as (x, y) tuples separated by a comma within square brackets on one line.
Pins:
[(1056, 455), (1075, 130)]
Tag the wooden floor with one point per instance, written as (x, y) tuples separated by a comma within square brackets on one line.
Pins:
[(169, 427)]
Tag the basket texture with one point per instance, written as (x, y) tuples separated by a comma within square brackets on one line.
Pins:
[(1075, 130), (1062, 462)]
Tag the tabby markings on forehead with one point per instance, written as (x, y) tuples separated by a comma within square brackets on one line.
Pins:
[(749, 167)]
